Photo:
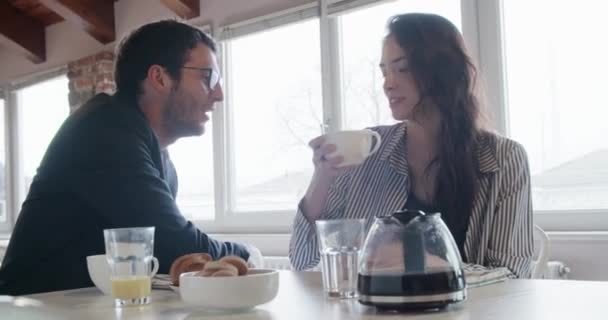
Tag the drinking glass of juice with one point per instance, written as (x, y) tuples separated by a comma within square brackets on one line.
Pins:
[(130, 253)]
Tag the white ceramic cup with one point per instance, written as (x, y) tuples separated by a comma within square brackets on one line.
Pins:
[(99, 272), (353, 145)]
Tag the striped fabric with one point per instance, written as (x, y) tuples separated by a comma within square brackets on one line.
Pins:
[(500, 226)]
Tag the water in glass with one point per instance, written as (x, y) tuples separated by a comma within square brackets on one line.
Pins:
[(340, 272)]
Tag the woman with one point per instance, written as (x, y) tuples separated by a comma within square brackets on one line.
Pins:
[(438, 158)]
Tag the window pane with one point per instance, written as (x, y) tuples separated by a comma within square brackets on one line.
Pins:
[(362, 32), (193, 160), (276, 105), (556, 99), (42, 109), (3, 214)]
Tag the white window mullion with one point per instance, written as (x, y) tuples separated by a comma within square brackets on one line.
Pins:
[(268, 22), (331, 70), (13, 156), (10, 161), (343, 6), (15, 190), (224, 145), (492, 60), (470, 27)]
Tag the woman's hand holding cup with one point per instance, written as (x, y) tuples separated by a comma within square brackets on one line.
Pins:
[(327, 163)]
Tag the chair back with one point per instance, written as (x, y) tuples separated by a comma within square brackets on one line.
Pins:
[(541, 244)]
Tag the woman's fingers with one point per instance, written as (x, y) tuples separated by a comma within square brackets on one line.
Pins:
[(334, 161), (320, 154), (316, 142)]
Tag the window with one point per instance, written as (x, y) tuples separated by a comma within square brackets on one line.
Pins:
[(193, 160), (361, 33), (275, 109), (556, 92), (41, 108), (3, 208)]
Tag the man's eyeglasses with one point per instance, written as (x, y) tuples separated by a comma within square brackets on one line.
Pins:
[(212, 76)]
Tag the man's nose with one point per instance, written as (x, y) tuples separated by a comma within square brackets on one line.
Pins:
[(218, 93)]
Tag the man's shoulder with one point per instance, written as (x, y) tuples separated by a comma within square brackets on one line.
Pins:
[(106, 117), (106, 109), (100, 131)]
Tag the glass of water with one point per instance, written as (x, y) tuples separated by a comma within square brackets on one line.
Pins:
[(129, 252), (339, 243)]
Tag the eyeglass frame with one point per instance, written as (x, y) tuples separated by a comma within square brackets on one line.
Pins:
[(210, 72)]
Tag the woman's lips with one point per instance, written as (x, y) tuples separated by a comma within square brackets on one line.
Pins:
[(395, 101)]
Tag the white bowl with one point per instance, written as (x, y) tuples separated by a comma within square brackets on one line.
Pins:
[(99, 272), (258, 286)]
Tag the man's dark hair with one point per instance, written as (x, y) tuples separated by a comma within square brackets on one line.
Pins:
[(166, 43)]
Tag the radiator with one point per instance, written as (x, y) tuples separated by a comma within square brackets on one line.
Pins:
[(280, 263), (555, 269)]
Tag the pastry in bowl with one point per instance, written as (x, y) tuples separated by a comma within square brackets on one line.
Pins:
[(228, 266), (187, 263)]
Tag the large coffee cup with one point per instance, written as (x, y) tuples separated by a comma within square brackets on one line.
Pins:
[(353, 145)]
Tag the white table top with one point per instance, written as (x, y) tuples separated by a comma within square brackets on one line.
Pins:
[(300, 297)]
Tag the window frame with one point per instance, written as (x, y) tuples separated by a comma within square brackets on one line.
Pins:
[(482, 27), (6, 226), (14, 154), (492, 64)]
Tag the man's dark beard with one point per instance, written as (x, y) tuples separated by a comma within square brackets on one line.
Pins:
[(174, 125)]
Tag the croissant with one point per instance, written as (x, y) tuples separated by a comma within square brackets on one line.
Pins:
[(188, 263), (238, 262), (228, 266)]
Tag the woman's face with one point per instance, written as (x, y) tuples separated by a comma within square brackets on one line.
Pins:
[(399, 85)]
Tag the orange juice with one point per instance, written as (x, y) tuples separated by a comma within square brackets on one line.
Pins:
[(131, 287)]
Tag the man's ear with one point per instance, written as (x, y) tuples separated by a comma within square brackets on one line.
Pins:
[(159, 79)]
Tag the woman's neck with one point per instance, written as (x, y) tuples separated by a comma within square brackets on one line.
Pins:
[(422, 148), (423, 132)]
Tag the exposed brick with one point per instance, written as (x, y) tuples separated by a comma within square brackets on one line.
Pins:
[(86, 61), (84, 83), (105, 66), (104, 55), (104, 78), (108, 88), (89, 76)]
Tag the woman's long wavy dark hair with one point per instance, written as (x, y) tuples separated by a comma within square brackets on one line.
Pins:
[(445, 77)]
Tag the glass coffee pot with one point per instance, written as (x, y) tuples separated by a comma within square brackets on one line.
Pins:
[(410, 261)]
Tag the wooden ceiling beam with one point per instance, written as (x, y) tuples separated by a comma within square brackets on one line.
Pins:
[(94, 16), (22, 33), (186, 9)]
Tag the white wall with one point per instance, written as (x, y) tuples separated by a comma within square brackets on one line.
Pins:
[(66, 42), (585, 253)]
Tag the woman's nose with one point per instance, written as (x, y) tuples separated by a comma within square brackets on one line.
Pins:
[(389, 82)]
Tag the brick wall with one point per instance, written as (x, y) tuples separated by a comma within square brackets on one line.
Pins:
[(89, 76)]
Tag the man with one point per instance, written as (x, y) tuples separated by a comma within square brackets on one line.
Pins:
[(107, 166)]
